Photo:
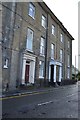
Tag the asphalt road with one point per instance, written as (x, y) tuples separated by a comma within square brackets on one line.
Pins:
[(61, 102)]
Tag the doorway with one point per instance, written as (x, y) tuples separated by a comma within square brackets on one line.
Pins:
[(27, 73), (52, 73), (57, 73)]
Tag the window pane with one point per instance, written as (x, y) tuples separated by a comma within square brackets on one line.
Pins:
[(6, 63), (31, 10), (68, 72), (41, 69), (42, 41), (61, 37), (53, 29), (29, 39), (52, 50), (42, 46), (61, 55), (29, 44), (68, 61), (43, 21)]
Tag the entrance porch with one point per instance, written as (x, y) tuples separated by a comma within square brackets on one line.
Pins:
[(55, 72)]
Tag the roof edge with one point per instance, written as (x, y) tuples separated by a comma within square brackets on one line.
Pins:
[(48, 10)]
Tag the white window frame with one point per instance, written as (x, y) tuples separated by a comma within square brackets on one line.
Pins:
[(43, 21), (41, 69), (30, 31), (52, 50), (42, 46), (61, 55), (31, 10), (53, 30), (6, 63)]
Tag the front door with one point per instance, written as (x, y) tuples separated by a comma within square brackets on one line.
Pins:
[(52, 73), (27, 73), (57, 73)]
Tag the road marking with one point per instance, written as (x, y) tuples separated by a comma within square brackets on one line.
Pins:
[(12, 97), (70, 95), (45, 103), (35, 93)]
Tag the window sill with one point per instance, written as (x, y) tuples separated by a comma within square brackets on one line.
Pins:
[(5, 67), (31, 17), (54, 35), (52, 58), (29, 50), (44, 27), (61, 61), (68, 66), (42, 55), (41, 77), (62, 42)]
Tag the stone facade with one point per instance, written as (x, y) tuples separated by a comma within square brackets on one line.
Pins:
[(78, 36), (22, 66), (0, 49)]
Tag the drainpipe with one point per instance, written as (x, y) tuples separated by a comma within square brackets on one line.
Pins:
[(18, 81), (12, 26), (46, 51), (75, 67)]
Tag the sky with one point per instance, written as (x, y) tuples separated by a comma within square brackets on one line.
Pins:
[(67, 12)]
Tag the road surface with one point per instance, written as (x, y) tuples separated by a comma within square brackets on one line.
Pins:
[(60, 102)]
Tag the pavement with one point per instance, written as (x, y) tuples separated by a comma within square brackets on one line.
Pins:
[(18, 92), (24, 91)]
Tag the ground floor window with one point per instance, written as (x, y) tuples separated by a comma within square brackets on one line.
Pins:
[(68, 72), (61, 71), (6, 63), (41, 69)]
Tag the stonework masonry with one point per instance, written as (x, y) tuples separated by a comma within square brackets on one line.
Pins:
[(79, 36), (24, 66)]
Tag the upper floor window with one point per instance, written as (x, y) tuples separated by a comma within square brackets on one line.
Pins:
[(53, 29), (42, 45), (29, 39), (52, 50), (68, 44), (68, 61), (41, 69), (61, 37), (31, 10), (61, 55), (43, 21)]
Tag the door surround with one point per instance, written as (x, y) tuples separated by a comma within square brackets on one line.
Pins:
[(55, 63), (31, 60)]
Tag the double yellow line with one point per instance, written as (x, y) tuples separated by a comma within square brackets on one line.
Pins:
[(23, 95)]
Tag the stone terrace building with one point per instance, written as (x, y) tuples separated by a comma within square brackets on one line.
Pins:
[(37, 48), (79, 35)]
